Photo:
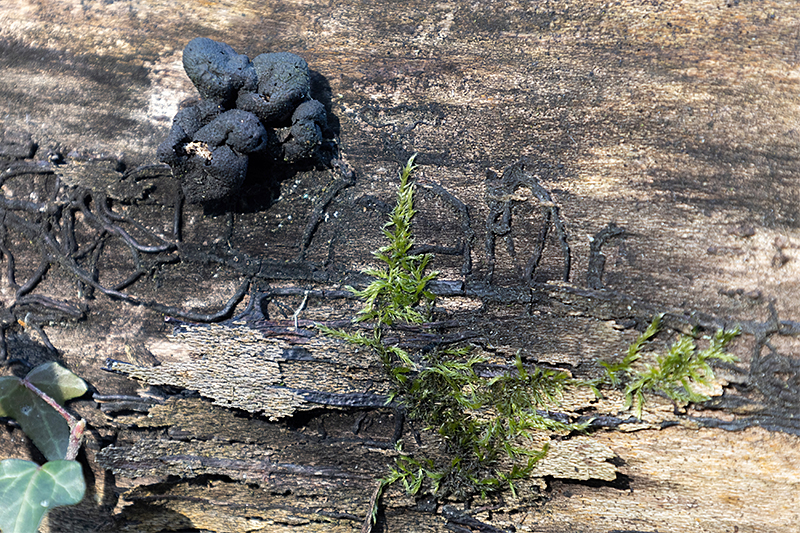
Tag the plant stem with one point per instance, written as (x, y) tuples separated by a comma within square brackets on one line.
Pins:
[(76, 427)]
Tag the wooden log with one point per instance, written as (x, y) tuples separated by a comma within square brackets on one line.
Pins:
[(675, 121)]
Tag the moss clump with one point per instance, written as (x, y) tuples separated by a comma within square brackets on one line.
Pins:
[(486, 418), (675, 374)]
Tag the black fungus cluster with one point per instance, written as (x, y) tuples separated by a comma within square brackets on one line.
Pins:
[(251, 113)]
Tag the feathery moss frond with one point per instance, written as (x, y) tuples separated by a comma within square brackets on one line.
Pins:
[(677, 373), (400, 286), (615, 371), (674, 374)]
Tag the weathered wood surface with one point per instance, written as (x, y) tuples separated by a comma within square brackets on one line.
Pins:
[(675, 120)]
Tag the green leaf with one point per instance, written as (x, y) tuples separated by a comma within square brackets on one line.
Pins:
[(9, 385), (28, 491), (41, 423), (57, 382)]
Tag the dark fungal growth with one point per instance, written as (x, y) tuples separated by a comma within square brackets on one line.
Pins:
[(251, 113), (217, 70), (308, 121), (283, 82)]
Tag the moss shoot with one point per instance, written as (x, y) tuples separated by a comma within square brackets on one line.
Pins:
[(675, 374)]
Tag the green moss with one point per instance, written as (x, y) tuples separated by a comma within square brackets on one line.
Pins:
[(616, 371), (675, 374), (488, 425), (399, 291), (486, 422)]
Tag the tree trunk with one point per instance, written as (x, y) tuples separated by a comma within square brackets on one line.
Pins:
[(583, 167)]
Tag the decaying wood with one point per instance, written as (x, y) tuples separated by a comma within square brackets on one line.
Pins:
[(643, 151), (223, 354), (239, 368)]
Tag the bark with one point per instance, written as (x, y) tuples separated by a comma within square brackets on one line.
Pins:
[(582, 167)]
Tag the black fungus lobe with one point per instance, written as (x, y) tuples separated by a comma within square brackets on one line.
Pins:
[(308, 121), (217, 70), (283, 82)]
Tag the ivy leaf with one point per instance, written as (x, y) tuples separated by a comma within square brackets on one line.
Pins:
[(41, 423), (57, 382), (28, 491)]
